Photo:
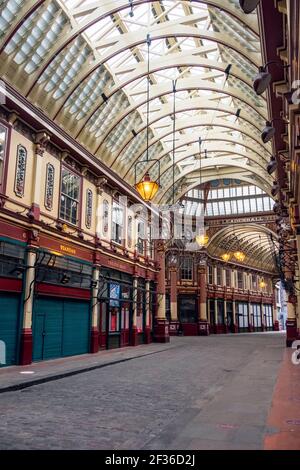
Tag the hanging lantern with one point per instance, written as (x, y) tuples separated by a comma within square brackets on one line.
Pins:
[(262, 283), (239, 256), (147, 188), (226, 257), (202, 239)]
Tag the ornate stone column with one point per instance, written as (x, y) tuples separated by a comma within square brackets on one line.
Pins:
[(38, 178), (250, 325), (28, 289), (216, 328), (147, 327), (235, 326), (203, 325), (161, 327), (134, 333), (95, 310), (173, 300)]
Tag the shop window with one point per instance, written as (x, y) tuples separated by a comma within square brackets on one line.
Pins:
[(256, 316), (220, 312), (240, 280), (141, 237), (11, 260), (219, 276), (228, 277), (212, 311), (187, 309), (210, 275), (117, 222), (254, 282), (268, 317), (58, 270), (69, 198), (242, 314), (186, 269), (3, 144)]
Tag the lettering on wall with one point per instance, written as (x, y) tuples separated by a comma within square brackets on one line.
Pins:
[(50, 172), (67, 249), (20, 171)]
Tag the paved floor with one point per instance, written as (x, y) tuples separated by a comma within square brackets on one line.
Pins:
[(200, 393)]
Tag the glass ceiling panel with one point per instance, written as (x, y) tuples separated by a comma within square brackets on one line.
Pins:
[(101, 73)]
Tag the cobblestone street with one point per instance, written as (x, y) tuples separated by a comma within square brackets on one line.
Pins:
[(204, 393)]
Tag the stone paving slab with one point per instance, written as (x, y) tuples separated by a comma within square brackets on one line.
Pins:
[(195, 393)]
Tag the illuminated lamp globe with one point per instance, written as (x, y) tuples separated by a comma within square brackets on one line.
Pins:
[(147, 188), (262, 284), (202, 240), (226, 257), (240, 256)]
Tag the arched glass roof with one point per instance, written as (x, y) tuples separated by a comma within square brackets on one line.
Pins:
[(84, 63)]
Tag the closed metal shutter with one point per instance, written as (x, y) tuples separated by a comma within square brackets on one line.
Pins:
[(60, 328), (9, 316), (75, 328)]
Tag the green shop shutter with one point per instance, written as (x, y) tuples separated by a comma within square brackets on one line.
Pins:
[(47, 329), (76, 328), (9, 316), (60, 328)]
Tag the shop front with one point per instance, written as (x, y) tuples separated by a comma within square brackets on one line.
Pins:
[(12, 271), (256, 317), (115, 309), (188, 316), (61, 316)]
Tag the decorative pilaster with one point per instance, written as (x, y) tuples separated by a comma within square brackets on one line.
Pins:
[(95, 309), (174, 325), (203, 325), (147, 328), (235, 325), (42, 138), (216, 316), (225, 315), (161, 327), (134, 333), (26, 335), (250, 326)]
